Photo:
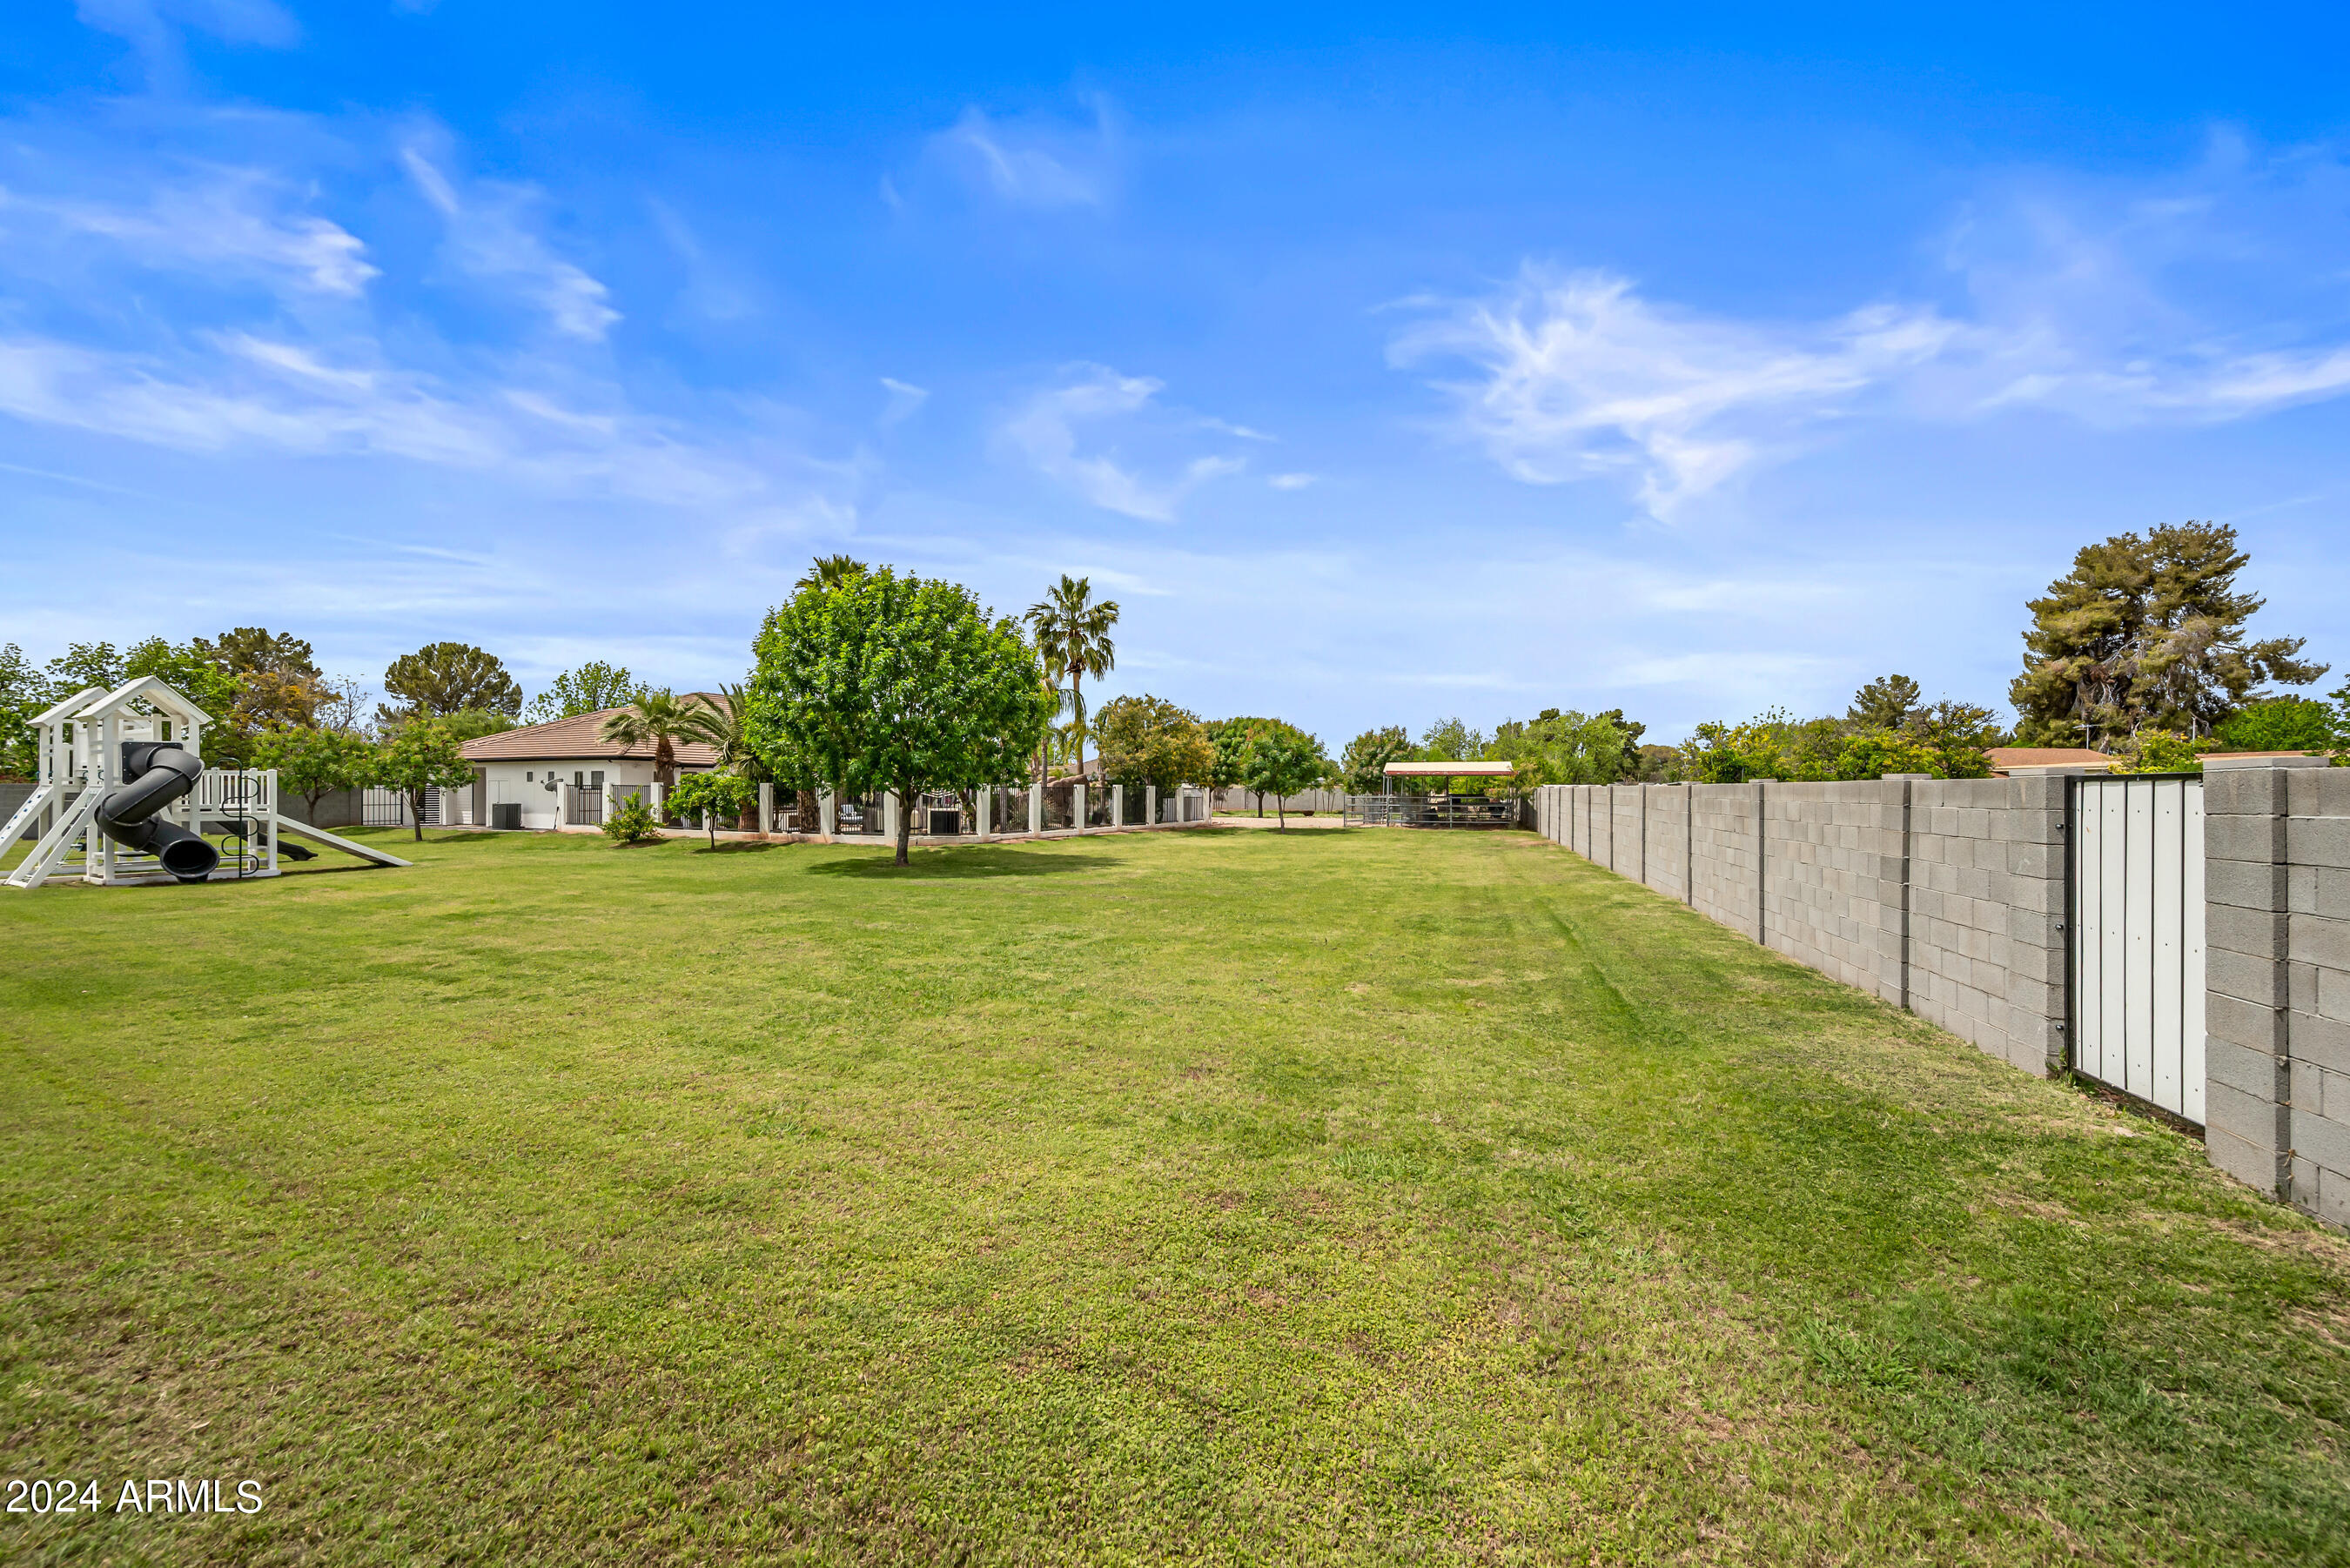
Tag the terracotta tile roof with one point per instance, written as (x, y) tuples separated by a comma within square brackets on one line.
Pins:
[(582, 736), (2005, 757)]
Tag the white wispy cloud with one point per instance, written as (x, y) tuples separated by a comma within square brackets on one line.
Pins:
[(1046, 432), (2211, 295), (904, 399), (243, 221), (491, 235), (132, 316), (1580, 376), (1032, 162), (1291, 481), (153, 26)]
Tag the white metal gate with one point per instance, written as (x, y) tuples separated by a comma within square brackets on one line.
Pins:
[(2138, 937)]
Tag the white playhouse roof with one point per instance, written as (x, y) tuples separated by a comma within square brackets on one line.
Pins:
[(68, 708), (151, 689)]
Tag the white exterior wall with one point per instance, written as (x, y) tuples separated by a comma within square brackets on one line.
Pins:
[(525, 782)]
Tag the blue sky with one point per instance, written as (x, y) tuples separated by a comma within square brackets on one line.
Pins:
[(1693, 366)]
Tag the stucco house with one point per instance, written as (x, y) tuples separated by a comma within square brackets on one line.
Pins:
[(528, 766)]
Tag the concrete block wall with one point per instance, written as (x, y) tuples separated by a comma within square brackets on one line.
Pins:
[(1827, 901), (1948, 897), (1666, 848), (2277, 983), (1725, 871), (337, 808), (1986, 886), (1629, 829), (1942, 895), (2317, 986)]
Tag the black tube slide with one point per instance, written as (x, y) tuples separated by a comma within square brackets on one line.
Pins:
[(155, 774)]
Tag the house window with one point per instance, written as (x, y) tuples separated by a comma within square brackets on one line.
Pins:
[(578, 779), (595, 779), (528, 777)]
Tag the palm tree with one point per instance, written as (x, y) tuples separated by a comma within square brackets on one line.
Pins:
[(719, 726), (832, 571), (1072, 637), (1054, 671), (657, 719)]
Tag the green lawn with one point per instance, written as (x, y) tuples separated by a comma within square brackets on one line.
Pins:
[(1229, 1195)]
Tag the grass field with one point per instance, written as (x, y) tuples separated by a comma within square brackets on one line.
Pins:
[(1229, 1195)]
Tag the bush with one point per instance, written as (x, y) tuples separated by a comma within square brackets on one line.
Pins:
[(2160, 751), (2281, 724), (632, 823)]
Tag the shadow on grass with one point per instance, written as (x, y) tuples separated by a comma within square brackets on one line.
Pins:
[(961, 865), (737, 848)]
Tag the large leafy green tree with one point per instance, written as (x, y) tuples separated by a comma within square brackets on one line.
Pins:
[(1237, 739), (713, 797), (2283, 724), (188, 671), (1559, 747), (22, 693), (1148, 740), (1945, 739), (1958, 737), (1072, 630), (278, 682), (592, 688), (444, 678), (1284, 762), (1451, 741), (658, 718), (2146, 633), (314, 763), (1364, 761), (900, 683), (420, 755), (181, 666)]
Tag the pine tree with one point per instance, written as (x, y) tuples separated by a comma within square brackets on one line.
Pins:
[(2147, 634), (1885, 703)]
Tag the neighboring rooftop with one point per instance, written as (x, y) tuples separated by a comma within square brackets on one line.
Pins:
[(2007, 759), (581, 736)]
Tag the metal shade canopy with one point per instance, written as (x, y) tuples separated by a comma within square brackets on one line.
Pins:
[(1450, 770)]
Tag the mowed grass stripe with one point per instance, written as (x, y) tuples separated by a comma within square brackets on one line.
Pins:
[(1231, 1195)]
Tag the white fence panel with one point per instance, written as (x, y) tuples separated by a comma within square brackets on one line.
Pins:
[(2138, 937)]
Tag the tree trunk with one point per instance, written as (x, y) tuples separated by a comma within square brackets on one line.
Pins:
[(905, 821), (416, 813), (1280, 817), (1077, 709)]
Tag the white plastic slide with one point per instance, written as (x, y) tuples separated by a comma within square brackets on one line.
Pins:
[(336, 841)]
